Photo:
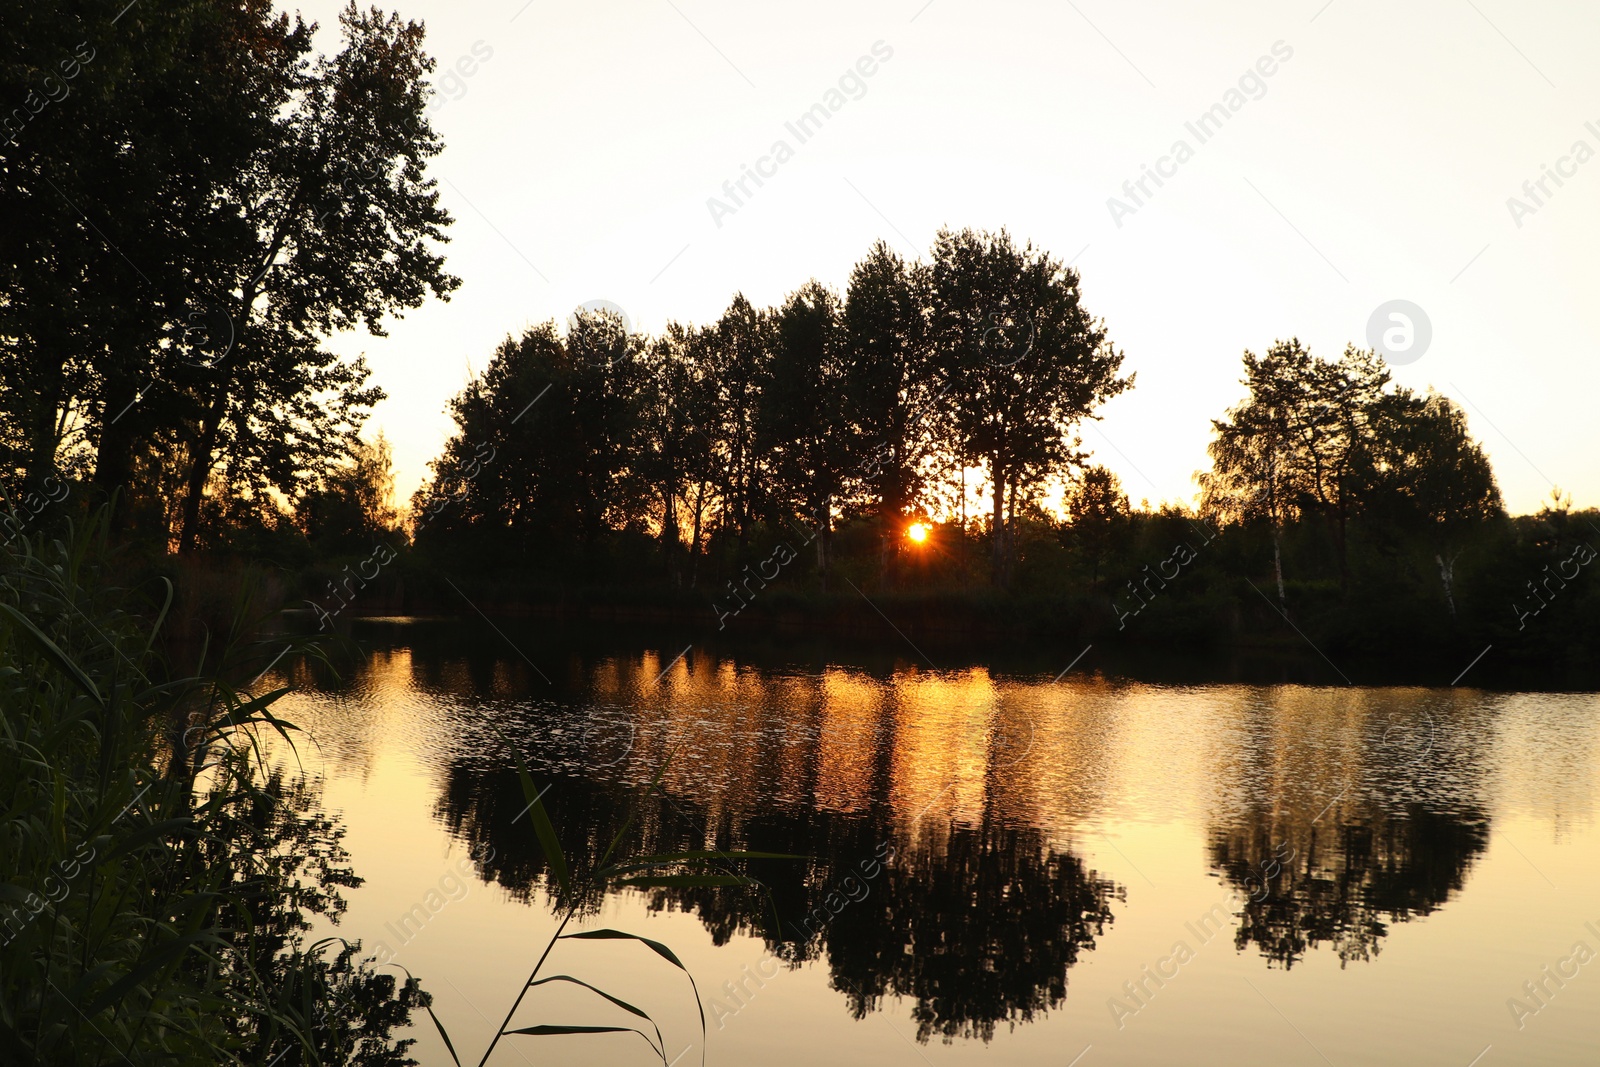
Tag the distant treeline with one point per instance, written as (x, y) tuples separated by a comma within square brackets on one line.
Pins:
[(703, 445), (769, 468), (196, 202)]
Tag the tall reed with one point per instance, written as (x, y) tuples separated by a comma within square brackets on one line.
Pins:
[(157, 879)]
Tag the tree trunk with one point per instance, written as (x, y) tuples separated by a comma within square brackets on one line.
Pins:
[(891, 509), (45, 438), (694, 542), (1009, 563), (200, 468), (1277, 568), (669, 534), (824, 535), (997, 522), (888, 542), (113, 462), (1447, 574), (206, 445), (1344, 562)]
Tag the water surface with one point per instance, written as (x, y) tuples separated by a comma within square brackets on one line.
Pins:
[(1002, 866)]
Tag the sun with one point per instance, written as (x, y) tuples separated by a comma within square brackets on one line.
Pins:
[(918, 532)]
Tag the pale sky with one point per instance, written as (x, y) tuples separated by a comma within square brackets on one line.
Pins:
[(1374, 163)]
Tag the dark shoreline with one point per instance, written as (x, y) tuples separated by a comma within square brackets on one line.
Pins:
[(865, 640)]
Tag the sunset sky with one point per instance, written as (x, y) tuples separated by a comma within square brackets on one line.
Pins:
[(1375, 162)]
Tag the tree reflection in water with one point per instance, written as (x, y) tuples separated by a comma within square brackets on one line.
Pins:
[(1343, 881), (977, 925), (980, 913)]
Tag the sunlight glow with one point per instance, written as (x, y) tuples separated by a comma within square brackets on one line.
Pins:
[(918, 532)]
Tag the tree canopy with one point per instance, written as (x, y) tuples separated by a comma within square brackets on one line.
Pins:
[(787, 421), (206, 204)]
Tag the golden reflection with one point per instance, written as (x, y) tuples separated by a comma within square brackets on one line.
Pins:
[(939, 756), (1017, 819), (1330, 813)]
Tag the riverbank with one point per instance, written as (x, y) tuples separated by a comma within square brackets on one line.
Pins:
[(911, 633)]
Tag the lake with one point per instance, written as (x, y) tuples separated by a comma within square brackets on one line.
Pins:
[(1034, 862)]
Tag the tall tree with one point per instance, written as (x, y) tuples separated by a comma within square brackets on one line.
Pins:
[(674, 453), (1028, 362), (1297, 444), (327, 222), (93, 166), (353, 504), (801, 426), (205, 206), (1335, 423), (1097, 515), (889, 388), (1254, 474), (1427, 477), (546, 460), (736, 356)]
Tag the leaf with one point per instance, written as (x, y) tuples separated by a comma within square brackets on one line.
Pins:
[(14, 894), (161, 616), (439, 1026), (53, 651), (624, 1005), (543, 828), (550, 1029), (133, 840), (661, 950), (157, 960)]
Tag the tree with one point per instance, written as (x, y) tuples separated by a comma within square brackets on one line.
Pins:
[(327, 223), (1252, 476), (1338, 434), (735, 356), (1097, 514), (1027, 361), (1429, 478), (209, 204), (674, 453), (888, 387), (125, 115), (1297, 444), (353, 504), (800, 423), (545, 462)]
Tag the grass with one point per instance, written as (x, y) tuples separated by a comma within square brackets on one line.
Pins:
[(158, 882)]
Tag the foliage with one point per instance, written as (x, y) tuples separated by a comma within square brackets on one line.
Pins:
[(353, 505), (159, 881), (775, 424), (1028, 363), (1097, 517), (1329, 440), (199, 213)]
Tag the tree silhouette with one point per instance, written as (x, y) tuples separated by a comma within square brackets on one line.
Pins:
[(891, 389), (1097, 512), (978, 925), (1028, 364), (1340, 885), (217, 201)]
